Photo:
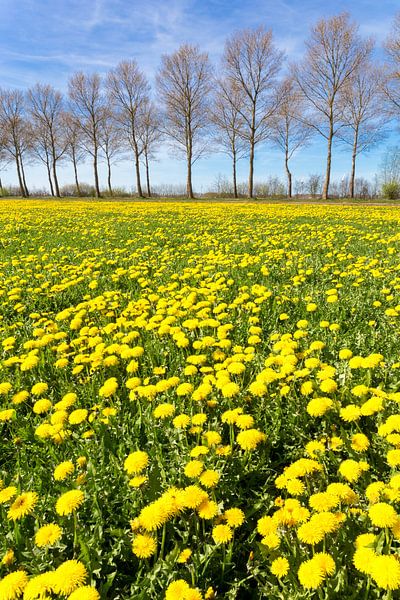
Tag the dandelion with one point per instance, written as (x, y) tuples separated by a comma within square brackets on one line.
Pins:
[(385, 571), (23, 505), (86, 592), (78, 416), (69, 576), (144, 546), (69, 502), (250, 439), (136, 462), (234, 517), (207, 509), (382, 515), (310, 574), (162, 411), (48, 535), (62, 470), (280, 567), (13, 585), (222, 534)]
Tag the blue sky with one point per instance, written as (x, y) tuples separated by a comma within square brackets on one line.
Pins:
[(47, 40)]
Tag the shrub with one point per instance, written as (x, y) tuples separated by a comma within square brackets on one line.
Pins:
[(391, 190)]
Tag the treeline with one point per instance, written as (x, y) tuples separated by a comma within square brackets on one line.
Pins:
[(337, 91)]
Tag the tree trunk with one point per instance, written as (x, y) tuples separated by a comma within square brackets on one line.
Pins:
[(49, 178), (251, 169), (235, 192), (325, 192), (57, 188), (78, 189), (109, 176), (1, 186), (54, 161), (137, 170), (189, 188), (23, 178), (289, 177), (353, 163), (96, 175), (147, 174), (21, 183)]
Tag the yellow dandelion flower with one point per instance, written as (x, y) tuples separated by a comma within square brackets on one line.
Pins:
[(280, 567), (136, 462), (208, 509), (184, 556), (382, 515), (69, 502), (13, 585), (385, 571), (23, 505), (62, 470), (250, 439), (234, 517), (69, 576), (144, 546), (86, 592), (222, 534), (48, 535)]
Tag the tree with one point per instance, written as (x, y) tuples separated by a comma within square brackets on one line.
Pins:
[(15, 131), (390, 166), (364, 122), (41, 149), (46, 107), (288, 130), (110, 142), (229, 124), (151, 136), (334, 52), (251, 63), (73, 144), (87, 104), (128, 91), (392, 84), (184, 83)]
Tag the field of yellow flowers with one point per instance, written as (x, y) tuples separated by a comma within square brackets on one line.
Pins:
[(199, 401)]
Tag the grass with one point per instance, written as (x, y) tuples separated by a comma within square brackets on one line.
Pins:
[(227, 342)]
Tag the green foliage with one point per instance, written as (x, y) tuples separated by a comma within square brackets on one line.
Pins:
[(391, 190)]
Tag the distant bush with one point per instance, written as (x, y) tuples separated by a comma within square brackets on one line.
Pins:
[(391, 190), (87, 190), (118, 192)]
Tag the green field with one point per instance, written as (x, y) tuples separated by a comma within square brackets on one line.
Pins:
[(199, 400)]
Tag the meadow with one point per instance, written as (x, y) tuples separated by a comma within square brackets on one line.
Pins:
[(199, 401)]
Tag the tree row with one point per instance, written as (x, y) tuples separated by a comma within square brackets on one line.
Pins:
[(337, 91)]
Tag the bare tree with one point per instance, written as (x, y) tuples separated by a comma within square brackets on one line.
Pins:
[(229, 124), (363, 117), (110, 142), (251, 63), (73, 144), (288, 130), (88, 107), (334, 52), (184, 84), (15, 131), (128, 90), (151, 136), (392, 84), (5, 159), (389, 171), (46, 107), (41, 149)]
